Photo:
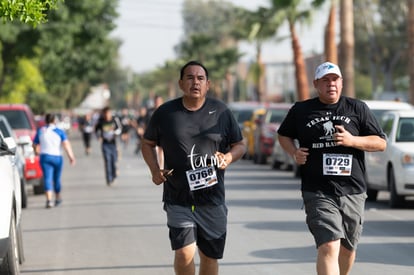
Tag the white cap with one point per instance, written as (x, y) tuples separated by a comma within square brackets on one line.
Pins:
[(327, 68)]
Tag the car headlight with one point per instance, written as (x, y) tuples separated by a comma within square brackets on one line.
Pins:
[(407, 159)]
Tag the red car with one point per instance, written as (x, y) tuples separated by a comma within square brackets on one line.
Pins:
[(266, 130), (21, 119)]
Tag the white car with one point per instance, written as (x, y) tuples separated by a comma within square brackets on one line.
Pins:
[(393, 169), (379, 107), (7, 132), (11, 244)]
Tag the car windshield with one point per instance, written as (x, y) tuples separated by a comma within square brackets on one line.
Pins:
[(242, 115), (277, 116), (17, 119), (405, 131)]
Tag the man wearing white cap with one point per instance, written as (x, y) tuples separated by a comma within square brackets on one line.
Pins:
[(333, 132)]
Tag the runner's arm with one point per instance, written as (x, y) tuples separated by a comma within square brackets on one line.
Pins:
[(150, 156)]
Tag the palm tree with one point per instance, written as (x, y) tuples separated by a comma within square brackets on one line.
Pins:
[(347, 46), (331, 49), (291, 12), (168, 75), (260, 25)]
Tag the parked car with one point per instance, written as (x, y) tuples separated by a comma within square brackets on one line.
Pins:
[(393, 169), (243, 110), (266, 129), (21, 119), (246, 114), (11, 242), (249, 129), (280, 159), (379, 107), (7, 132)]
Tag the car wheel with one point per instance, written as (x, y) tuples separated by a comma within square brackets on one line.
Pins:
[(24, 192), (395, 199), (10, 264), (260, 158), (276, 164), (372, 194), (255, 158)]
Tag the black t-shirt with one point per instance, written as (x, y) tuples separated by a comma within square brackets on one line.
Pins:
[(108, 130), (312, 123), (189, 140)]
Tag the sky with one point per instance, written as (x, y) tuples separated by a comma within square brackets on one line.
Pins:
[(149, 30)]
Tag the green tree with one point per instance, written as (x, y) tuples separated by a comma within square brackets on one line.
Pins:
[(258, 27), (26, 80), (381, 40), (209, 39), (31, 12), (73, 48), (83, 52)]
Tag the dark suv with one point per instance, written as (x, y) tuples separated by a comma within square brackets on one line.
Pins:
[(21, 119)]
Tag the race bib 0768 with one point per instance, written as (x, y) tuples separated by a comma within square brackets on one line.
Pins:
[(201, 178)]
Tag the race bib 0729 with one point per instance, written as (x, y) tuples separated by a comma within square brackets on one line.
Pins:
[(337, 164)]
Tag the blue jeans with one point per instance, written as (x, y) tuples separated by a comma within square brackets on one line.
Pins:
[(110, 154), (52, 167)]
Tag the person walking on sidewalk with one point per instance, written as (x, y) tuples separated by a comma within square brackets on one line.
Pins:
[(48, 142), (140, 126), (333, 132), (107, 129), (200, 139), (86, 128)]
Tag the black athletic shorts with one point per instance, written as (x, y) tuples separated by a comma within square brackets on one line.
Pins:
[(205, 225)]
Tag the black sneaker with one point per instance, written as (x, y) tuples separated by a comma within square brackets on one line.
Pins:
[(58, 202)]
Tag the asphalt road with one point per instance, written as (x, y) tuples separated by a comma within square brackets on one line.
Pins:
[(122, 229)]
